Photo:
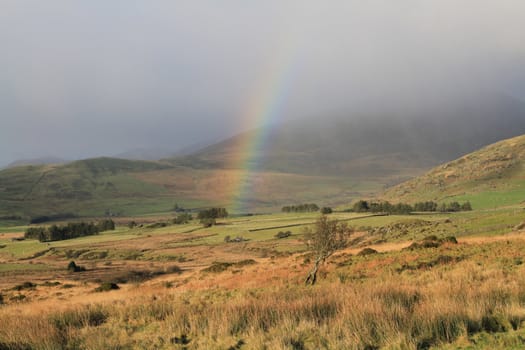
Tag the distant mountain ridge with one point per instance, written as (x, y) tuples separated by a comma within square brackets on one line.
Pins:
[(374, 146)]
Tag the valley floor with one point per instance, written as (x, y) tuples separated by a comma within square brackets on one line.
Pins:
[(184, 287)]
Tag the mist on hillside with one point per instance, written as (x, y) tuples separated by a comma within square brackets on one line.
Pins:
[(84, 79)]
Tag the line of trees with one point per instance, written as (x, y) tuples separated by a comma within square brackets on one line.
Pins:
[(69, 231), (301, 208), (363, 206)]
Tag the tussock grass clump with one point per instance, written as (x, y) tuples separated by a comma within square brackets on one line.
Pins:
[(89, 316), (245, 262), (24, 286), (51, 284), (432, 242), (106, 286), (367, 251), (138, 276), (217, 267)]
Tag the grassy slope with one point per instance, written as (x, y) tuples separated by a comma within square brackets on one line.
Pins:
[(91, 187), (492, 177)]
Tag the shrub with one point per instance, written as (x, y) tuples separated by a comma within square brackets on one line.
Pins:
[(183, 218), (73, 267), (207, 217), (107, 286), (283, 234), (326, 210), (207, 222), (237, 239)]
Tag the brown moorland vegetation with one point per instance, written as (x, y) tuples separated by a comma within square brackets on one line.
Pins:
[(457, 294)]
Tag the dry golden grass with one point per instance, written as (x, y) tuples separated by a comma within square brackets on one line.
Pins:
[(387, 300)]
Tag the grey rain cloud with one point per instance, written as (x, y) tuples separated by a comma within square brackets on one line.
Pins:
[(89, 78)]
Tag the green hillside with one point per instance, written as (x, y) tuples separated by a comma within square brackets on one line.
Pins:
[(87, 186), (491, 177), (95, 187)]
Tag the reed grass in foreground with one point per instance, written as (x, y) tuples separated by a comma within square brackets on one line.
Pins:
[(463, 304)]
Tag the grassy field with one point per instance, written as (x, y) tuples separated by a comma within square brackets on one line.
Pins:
[(184, 287)]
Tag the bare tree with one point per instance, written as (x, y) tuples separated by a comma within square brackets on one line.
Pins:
[(323, 240)]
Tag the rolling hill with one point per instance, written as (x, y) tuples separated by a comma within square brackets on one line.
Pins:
[(330, 162), (95, 187), (490, 177)]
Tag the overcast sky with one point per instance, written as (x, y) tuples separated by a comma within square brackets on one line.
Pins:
[(89, 78)]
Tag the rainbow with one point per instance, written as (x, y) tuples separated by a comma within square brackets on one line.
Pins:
[(263, 110)]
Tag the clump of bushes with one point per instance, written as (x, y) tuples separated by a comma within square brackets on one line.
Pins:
[(208, 217), (432, 242), (183, 218), (217, 267), (326, 210), (283, 234), (237, 239), (73, 267)]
